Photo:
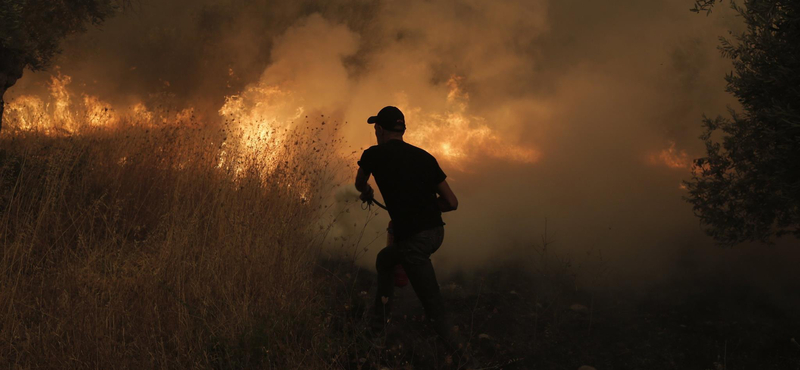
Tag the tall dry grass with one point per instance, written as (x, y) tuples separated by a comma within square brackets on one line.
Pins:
[(135, 247)]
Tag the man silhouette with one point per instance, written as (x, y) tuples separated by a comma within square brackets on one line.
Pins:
[(409, 180)]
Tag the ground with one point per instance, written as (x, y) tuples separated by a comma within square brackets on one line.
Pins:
[(91, 278), (509, 322)]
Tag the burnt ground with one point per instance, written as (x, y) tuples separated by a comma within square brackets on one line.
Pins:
[(510, 319)]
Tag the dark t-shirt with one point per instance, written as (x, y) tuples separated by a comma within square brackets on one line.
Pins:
[(407, 177)]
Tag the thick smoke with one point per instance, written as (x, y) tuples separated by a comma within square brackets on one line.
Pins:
[(594, 90)]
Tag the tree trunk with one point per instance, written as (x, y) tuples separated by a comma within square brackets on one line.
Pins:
[(2, 108), (11, 65)]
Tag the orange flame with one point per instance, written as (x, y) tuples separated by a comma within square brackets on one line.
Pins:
[(26, 112), (672, 158), (61, 97), (462, 139), (260, 118), (65, 112)]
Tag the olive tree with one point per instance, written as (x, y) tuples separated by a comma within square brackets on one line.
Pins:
[(32, 30), (747, 186)]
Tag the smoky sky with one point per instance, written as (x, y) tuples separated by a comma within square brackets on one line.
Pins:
[(596, 87)]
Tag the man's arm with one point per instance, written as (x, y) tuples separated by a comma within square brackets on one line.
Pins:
[(362, 186), (447, 200)]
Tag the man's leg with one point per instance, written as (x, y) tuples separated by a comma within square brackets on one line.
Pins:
[(387, 259), (423, 280), (417, 263)]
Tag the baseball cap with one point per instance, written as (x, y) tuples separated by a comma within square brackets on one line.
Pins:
[(390, 118)]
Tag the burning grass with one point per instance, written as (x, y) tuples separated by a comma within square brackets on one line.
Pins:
[(138, 248), (147, 240), (182, 246)]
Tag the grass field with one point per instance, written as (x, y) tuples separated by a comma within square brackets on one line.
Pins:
[(160, 247), (141, 248)]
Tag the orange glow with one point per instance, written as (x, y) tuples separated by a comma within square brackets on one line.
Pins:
[(27, 112), (462, 139), (260, 119), (98, 112), (53, 115), (671, 157), (66, 112), (61, 101), (61, 112)]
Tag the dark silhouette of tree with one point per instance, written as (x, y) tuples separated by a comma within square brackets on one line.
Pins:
[(32, 30), (747, 187)]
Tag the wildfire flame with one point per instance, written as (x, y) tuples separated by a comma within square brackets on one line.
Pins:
[(672, 158), (261, 118), (26, 111), (60, 113), (65, 112), (462, 139), (258, 120), (263, 113)]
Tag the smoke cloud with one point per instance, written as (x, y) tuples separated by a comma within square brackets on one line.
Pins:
[(557, 110)]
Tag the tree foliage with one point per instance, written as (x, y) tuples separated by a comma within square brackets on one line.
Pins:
[(747, 187), (31, 32), (35, 28)]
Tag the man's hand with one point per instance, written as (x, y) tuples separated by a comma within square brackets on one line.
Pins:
[(362, 186), (367, 193)]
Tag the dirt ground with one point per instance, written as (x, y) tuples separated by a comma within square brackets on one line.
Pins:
[(511, 319)]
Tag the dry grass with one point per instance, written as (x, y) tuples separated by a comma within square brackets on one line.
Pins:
[(133, 248)]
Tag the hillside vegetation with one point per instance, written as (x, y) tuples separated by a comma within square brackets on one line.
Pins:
[(159, 248)]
